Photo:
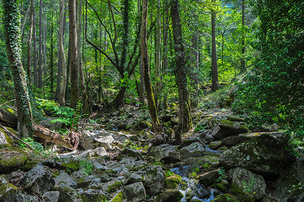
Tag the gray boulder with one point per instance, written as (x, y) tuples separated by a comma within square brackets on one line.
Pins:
[(264, 154), (8, 191), (290, 185), (51, 196), (170, 195), (194, 149), (37, 181), (66, 179), (135, 192), (47, 123), (249, 186), (209, 177), (235, 140), (4, 139), (67, 193), (93, 195), (11, 159), (98, 152), (166, 152), (90, 140), (153, 178), (129, 153), (226, 128)]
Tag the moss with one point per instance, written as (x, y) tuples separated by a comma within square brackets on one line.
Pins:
[(71, 166), (13, 159), (173, 181), (219, 186), (6, 189), (29, 165), (93, 197), (222, 149), (114, 187), (227, 123), (118, 197), (225, 198), (55, 173), (7, 138)]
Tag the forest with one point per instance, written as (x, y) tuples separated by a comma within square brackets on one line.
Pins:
[(138, 100)]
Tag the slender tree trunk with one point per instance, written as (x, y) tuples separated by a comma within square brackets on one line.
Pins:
[(62, 55), (52, 54), (12, 33), (243, 37), (185, 120), (158, 54), (29, 43), (165, 52), (86, 109), (40, 48), (142, 82), (35, 50), (68, 64), (145, 60), (214, 57)]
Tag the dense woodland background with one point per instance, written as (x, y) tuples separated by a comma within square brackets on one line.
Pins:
[(88, 53)]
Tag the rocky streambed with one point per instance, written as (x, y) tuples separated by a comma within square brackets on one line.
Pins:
[(222, 163)]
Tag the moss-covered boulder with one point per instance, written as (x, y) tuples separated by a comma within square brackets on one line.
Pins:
[(135, 192), (214, 145), (264, 154), (129, 153), (226, 128), (119, 197), (247, 185), (167, 153), (209, 177), (173, 181), (290, 185), (170, 195), (8, 191), (67, 193), (235, 140), (93, 195), (11, 159), (5, 139), (225, 198), (195, 149)]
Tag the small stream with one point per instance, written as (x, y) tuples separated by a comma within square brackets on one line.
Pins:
[(200, 192)]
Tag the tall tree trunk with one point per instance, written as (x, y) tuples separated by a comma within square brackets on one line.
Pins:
[(145, 63), (35, 50), (142, 81), (29, 43), (62, 55), (158, 54), (52, 54), (185, 120), (86, 109), (12, 33), (214, 57), (165, 51), (40, 48), (243, 37)]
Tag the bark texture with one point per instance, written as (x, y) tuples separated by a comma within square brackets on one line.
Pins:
[(12, 35), (214, 56), (185, 120), (62, 55)]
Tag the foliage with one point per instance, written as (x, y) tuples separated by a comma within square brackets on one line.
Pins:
[(86, 166), (37, 146), (273, 90), (169, 173), (221, 174)]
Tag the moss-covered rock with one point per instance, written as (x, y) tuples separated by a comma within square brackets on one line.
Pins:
[(129, 153), (226, 128), (214, 145), (264, 154), (7, 190), (11, 159), (290, 185), (170, 195), (114, 187), (29, 165), (5, 139), (167, 153), (173, 181), (235, 140), (67, 193), (225, 198), (119, 197), (93, 195), (70, 166)]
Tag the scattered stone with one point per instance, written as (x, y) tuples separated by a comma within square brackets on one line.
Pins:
[(119, 197), (93, 195), (209, 177), (51, 196), (37, 181), (214, 145), (48, 123), (8, 191), (67, 193), (226, 128), (167, 153), (135, 192), (247, 185), (187, 142), (66, 179), (90, 140), (225, 198), (170, 195), (5, 139), (11, 159), (129, 153), (195, 149)]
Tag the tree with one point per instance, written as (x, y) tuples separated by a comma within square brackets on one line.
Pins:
[(145, 63), (73, 55), (40, 48), (12, 34), (29, 43), (62, 55), (214, 57), (185, 120)]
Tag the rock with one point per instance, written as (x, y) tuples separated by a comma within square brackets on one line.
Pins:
[(167, 153), (215, 145), (121, 125), (119, 197), (135, 192), (235, 140), (47, 123), (82, 179), (208, 122), (187, 142), (66, 179), (225, 198), (93, 195), (173, 181), (263, 154), (235, 118), (99, 166), (249, 186), (152, 177), (37, 181), (129, 153), (290, 185), (67, 193), (51, 196), (195, 149), (8, 191), (11, 159), (26, 197), (90, 140), (112, 186), (268, 198), (98, 152), (170, 195), (226, 128), (5, 139), (209, 177)]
